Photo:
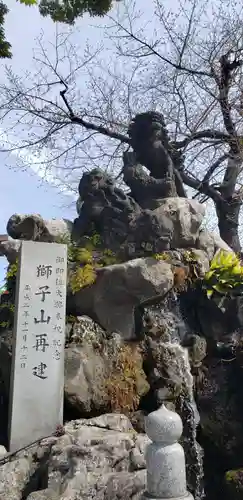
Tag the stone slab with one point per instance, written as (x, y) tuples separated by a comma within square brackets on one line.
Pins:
[(146, 496), (37, 371)]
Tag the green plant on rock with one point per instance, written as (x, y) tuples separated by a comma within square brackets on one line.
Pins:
[(6, 315), (82, 276), (64, 238), (108, 258), (162, 256), (234, 482), (86, 259), (225, 276), (10, 280), (70, 318), (12, 270), (127, 381), (191, 260)]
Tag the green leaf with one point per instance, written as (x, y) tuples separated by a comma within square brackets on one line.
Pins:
[(68, 11), (225, 275), (220, 288), (28, 2)]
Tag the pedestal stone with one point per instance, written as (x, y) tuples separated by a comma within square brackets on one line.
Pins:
[(165, 458)]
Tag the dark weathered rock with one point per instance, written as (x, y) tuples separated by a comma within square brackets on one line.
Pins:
[(105, 209), (125, 227), (102, 200), (216, 324), (220, 403), (86, 370), (218, 399), (193, 451)]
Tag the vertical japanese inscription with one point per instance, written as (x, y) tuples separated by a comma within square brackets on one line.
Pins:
[(24, 327), (59, 324), (37, 376), (41, 340)]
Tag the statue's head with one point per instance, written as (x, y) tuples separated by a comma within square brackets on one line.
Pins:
[(18, 224), (149, 126), (12, 225), (93, 181)]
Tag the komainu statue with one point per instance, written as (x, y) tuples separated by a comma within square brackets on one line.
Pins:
[(153, 150)]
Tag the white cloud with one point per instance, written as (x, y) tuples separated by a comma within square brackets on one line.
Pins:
[(34, 161)]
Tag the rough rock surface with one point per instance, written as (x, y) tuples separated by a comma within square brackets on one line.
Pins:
[(211, 242), (186, 217), (220, 403), (94, 381), (10, 249), (118, 289), (34, 227), (125, 227), (100, 459), (167, 366)]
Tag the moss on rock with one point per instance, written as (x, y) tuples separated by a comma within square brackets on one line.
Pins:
[(234, 482), (127, 381)]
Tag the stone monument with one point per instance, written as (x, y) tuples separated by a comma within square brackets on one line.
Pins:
[(37, 371), (165, 458)]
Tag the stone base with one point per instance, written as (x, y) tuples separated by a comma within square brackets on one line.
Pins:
[(146, 496)]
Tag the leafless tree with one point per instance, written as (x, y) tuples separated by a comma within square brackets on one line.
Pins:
[(187, 63)]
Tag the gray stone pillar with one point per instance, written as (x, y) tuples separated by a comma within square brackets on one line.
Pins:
[(165, 458)]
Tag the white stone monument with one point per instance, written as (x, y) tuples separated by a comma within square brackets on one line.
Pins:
[(165, 458), (37, 371)]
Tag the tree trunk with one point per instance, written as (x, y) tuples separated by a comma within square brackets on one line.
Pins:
[(228, 222)]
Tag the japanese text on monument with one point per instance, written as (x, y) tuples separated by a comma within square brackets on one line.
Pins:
[(40, 325)]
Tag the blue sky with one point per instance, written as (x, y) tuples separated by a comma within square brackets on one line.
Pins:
[(23, 191)]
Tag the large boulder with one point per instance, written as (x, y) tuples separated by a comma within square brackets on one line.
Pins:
[(119, 289), (101, 458), (186, 217)]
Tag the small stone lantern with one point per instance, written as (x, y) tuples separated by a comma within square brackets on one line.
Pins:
[(165, 458)]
